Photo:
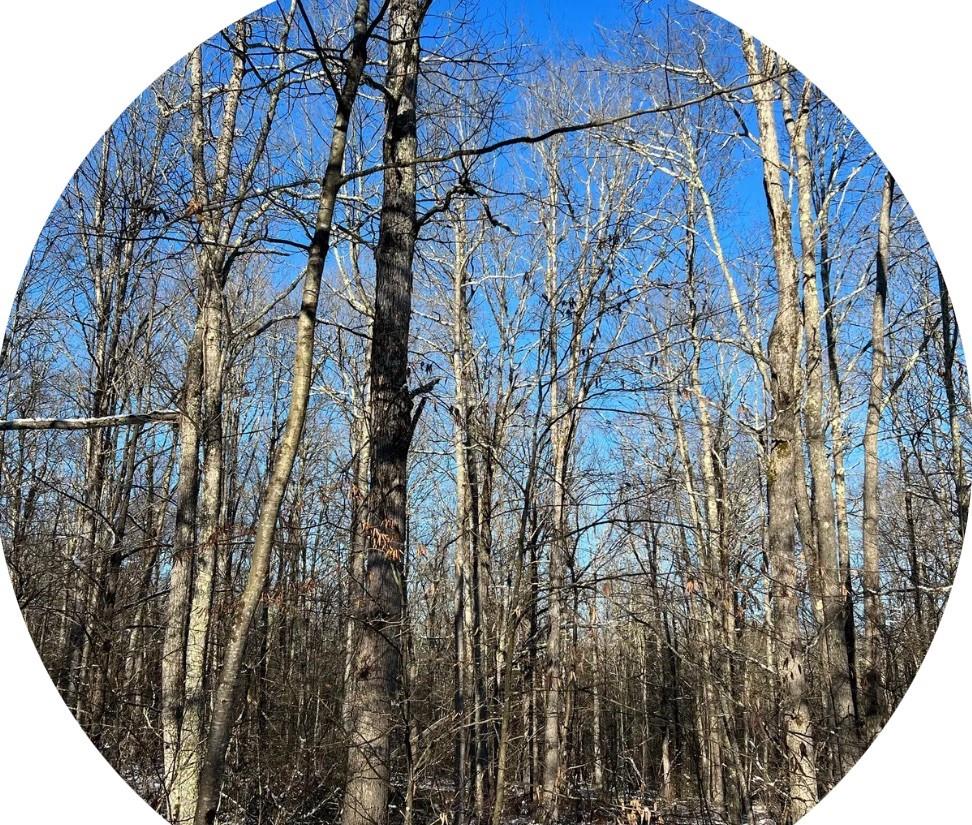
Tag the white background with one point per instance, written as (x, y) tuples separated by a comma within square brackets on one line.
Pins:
[(896, 68)]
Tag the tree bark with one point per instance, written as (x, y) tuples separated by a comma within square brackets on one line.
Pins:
[(225, 693), (834, 648), (949, 346), (180, 577), (845, 614), (872, 678), (376, 666), (782, 352), (559, 417)]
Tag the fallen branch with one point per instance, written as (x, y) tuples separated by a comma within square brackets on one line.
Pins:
[(151, 417)]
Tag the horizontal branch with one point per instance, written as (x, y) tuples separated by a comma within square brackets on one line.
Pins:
[(566, 129), (151, 417)]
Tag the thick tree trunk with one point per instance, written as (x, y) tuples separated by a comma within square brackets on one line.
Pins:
[(180, 578), (208, 530), (376, 665), (782, 352), (206, 489)]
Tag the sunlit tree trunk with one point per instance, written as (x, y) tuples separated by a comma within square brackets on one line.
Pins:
[(226, 688), (560, 444), (834, 649), (873, 670), (782, 352)]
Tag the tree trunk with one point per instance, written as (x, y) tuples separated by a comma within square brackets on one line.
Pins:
[(949, 344), (180, 578), (782, 352), (844, 614), (834, 648), (872, 680), (559, 415), (379, 612), (283, 460)]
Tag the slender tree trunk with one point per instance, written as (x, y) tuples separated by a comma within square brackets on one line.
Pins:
[(224, 701), (361, 474), (844, 613), (513, 617), (875, 702), (107, 598), (463, 615), (531, 756), (559, 416), (917, 575), (835, 654), (109, 265), (715, 569), (949, 345), (597, 771), (708, 706), (471, 742)]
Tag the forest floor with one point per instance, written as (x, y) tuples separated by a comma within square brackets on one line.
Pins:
[(589, 809)]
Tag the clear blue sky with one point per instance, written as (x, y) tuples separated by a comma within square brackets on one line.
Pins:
[(566, 21)]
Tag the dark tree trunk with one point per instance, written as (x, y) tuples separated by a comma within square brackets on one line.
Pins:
[(379, 614)]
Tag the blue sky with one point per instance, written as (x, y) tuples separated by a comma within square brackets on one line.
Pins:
[(568, 21)]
